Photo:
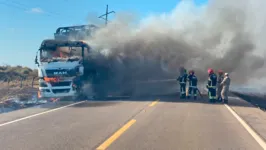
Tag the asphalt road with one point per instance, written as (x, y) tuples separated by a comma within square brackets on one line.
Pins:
[(166, 124)]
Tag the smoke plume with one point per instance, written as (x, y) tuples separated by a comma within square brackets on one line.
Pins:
[(223, 34)]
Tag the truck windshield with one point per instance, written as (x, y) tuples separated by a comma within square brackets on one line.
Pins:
[(61, 54)]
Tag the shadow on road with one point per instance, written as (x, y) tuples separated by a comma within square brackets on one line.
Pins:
[(244, 101), (254, 99), (171, 98), (96, 104)]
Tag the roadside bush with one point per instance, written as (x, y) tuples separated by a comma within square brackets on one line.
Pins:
[(11, 73)]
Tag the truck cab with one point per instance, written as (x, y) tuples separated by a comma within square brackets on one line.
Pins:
[(60, 68)]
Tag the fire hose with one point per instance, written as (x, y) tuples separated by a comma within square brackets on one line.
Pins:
[(154, 81), (165, 80)]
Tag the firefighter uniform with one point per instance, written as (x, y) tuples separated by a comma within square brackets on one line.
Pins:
[(225, 90), (182, 82), (211, 86), (77, 83), (193, 82), (219, 86)]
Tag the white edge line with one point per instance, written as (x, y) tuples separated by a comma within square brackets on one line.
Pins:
[(234, 97), (247, 127), (38, 114)]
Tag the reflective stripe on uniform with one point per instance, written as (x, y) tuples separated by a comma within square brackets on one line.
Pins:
[(211, 97), (212, 87), (193, 86)]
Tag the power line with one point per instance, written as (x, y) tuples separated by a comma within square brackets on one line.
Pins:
[(10, 5), (21, 6), (106, 15), (25, 6)]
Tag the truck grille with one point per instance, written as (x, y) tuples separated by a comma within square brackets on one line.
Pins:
[(60, 91), (62, 72), (63, 83), (56, 72)]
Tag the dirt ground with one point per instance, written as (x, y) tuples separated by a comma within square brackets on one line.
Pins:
[(8, 91)]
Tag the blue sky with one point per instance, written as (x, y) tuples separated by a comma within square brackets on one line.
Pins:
[(26, 23)]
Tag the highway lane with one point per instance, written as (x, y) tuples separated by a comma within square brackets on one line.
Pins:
[(165, 124), (83, 126), (186, 126)]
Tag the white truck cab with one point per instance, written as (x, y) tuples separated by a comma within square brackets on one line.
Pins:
[(60, 68)]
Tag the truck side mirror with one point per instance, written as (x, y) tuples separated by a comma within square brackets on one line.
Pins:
[(36, 61)]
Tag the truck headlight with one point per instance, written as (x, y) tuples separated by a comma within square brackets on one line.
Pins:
[(45, 90), (43, 84)]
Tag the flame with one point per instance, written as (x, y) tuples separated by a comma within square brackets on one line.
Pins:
[(39, 94), (52, 79)]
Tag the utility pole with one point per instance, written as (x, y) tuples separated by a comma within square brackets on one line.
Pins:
[(106, 15)]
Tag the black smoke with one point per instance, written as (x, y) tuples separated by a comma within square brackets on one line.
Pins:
[(221, 35)]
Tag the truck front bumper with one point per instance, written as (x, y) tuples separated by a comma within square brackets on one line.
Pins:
[(56, 92)]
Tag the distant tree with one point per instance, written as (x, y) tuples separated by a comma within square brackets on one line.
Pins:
[(18, 66), (25, 71)]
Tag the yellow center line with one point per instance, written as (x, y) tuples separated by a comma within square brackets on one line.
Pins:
[(116, 135), (154, 103)]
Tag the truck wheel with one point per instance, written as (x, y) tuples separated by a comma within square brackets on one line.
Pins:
[(79, 97), (100, 96)]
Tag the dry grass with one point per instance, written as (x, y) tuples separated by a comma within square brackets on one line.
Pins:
[(23, 93), (14, 84)]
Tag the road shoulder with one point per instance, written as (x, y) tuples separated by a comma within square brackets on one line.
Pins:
[(252, 115), (21, 113)]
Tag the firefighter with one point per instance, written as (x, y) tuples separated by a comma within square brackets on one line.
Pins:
[(182, 82), (192, 86), (219, 86), (77, 83), (225, 90), (211, 86)]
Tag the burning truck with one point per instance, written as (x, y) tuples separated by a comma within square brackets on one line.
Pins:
[(66, 67), (61, 62), (60, 68)]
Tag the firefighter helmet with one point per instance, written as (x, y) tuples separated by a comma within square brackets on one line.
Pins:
[(191, 72), (210, 71), (181, 69), (220, 72)]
